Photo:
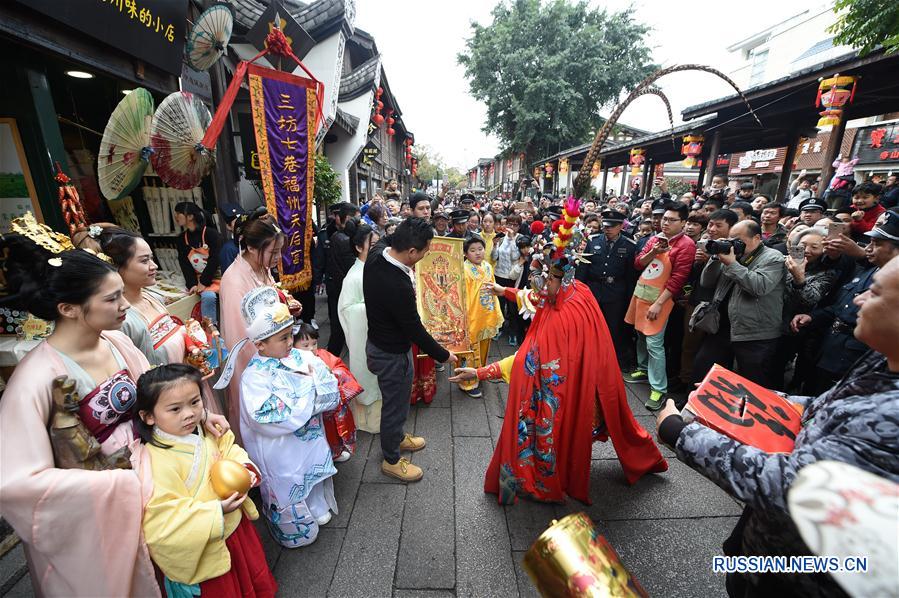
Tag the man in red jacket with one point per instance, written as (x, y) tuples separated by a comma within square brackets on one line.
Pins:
[(665, 263)]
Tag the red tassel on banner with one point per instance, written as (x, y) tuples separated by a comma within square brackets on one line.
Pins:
[(276, 43)]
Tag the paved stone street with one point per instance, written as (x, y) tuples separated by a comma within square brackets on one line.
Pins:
[(444, 537)]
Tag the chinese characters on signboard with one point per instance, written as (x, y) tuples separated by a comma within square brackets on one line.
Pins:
[(878, 143), (284, 111), (151, 30)]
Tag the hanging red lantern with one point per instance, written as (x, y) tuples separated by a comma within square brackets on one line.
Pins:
[(637, 159), (380, 105), (378, 119), (834, 94), (692, 149), (380, 91), (616, 171), (390, 121), (391, 132)]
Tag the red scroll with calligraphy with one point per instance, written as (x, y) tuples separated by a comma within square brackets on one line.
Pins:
[(745, 411), (285, 109)]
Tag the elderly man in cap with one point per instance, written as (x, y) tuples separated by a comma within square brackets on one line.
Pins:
[(812, 210), (840, 349), (229, 251), (611, 276), (459, 219)]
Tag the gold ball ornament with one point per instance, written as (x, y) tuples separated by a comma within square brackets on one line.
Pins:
[(229, 476)]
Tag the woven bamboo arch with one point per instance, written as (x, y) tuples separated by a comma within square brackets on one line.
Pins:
[(582, 182)]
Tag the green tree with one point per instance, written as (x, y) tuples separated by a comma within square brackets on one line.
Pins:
[(867, 24), (327, 183), (545, 69)]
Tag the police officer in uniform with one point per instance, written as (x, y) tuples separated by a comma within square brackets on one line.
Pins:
[(839, 348), (459, 222), (611, 276)]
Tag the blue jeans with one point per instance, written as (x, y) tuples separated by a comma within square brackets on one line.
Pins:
[(208, 304), (651, 359)]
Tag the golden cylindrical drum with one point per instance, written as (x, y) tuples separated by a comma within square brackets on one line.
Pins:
[(571, 559)]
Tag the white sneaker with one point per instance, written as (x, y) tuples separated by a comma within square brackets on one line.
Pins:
[(323, 519), (343, 456)]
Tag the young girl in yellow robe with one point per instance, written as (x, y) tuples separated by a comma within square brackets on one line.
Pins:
[(484, 314), (203, 544)]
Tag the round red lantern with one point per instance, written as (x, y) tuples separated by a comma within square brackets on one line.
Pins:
[(391, 132), (378, 120)]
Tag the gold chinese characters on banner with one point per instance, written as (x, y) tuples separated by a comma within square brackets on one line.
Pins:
[(440, 291)]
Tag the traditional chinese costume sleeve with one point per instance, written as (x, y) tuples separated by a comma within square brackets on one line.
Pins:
[(182, 531), (283, 401), (497, 370)]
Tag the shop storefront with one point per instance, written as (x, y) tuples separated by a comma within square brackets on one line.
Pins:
[(66, 67), (761, 167)]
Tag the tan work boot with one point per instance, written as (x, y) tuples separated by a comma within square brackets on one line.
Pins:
[(412, 443), (402, 470)]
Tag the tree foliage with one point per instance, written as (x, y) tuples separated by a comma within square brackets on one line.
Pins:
[(431, 166), (867, 24), (327, 185), (545, 69)]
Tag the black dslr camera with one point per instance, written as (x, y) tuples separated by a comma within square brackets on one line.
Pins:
[(719, 246)]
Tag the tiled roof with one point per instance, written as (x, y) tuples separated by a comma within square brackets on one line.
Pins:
[(359, 80), (346, 121), (313, 17)]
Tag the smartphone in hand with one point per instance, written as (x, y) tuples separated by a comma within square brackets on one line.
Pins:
[(835, 229)]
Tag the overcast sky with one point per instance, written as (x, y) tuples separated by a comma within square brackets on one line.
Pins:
[(419, 41)]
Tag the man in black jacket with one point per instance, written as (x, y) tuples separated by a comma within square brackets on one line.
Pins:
[(341, 258), (393, 325)]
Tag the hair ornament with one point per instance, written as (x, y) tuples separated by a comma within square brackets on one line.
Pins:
[(56, 262), (41, 234)]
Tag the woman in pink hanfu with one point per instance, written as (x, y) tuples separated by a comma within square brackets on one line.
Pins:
[(81, 527), (260, 242)]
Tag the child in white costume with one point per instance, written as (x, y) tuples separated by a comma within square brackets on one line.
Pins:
[(283, 393)]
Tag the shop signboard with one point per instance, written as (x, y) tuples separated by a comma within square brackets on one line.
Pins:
[(758, 161), (877, 144), (150, 30)]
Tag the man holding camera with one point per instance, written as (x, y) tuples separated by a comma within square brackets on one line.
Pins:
[(748, 279)]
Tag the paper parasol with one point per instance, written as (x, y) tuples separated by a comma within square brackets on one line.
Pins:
[(124, 149), (209, 38), (178, 127)]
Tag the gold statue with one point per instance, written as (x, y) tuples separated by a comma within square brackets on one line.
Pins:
[(74, 447)]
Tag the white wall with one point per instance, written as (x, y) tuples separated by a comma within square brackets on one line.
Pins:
[(787, 42), (342, 152)]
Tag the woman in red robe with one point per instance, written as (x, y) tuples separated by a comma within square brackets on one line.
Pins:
[(565, 392)]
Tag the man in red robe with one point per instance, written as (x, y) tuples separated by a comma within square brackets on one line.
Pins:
[(565, 392)]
